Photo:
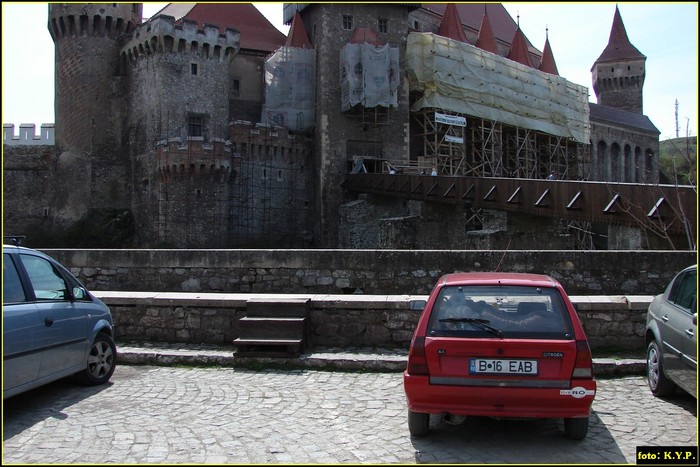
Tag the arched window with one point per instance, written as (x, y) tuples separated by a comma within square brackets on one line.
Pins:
[(615, 163), (601, 162)]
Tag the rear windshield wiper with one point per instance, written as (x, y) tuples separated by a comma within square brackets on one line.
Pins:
[(480, 323)]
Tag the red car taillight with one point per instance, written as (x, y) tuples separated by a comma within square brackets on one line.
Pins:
[(417, 363), (583, 368)]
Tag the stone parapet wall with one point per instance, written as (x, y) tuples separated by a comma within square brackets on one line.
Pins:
[(385, 272), (381, 321), (27, 135)]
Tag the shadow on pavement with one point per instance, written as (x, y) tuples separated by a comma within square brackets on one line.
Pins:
[(482, 440), (25, 410)]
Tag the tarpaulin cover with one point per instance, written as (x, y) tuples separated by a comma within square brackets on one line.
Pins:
[(369, 76), (459, 77), (290, 86)]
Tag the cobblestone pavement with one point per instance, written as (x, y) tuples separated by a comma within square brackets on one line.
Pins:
[(177, 415)]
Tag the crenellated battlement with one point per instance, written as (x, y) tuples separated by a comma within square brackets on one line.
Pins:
[(193, 157), (162, 35), (93, 19), (27, 135), (260, 141)]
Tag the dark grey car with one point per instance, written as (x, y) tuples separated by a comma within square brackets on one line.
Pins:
[(670, 336)]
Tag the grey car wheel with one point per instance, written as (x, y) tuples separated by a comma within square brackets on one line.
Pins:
[(658, 383), (101, 361)]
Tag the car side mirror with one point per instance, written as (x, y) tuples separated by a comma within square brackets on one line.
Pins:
[(695, 319), (417, 305), (79, 293)]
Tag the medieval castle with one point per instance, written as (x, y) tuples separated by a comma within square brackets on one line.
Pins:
[(205, 127)]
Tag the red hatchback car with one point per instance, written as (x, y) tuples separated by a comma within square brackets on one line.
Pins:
[(499, 345)]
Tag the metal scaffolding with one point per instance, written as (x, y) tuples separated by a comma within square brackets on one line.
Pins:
[(487, 148), (270, 196)]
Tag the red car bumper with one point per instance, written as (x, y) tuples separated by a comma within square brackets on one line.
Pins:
[(500, 401)]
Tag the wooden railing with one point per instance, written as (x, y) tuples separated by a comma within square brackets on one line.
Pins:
[(660, 207)]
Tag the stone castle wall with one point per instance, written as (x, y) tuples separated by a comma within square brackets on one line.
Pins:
[(27, 176), (116, 100), (388, 272), (384, 321), (340, 136)]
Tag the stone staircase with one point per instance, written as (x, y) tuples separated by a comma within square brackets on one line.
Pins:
[(274, 328)]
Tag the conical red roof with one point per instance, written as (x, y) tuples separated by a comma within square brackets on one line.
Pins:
[(518, 49), (619, 46), (548, 65), (297, 34), (486, 39), (451, 25)]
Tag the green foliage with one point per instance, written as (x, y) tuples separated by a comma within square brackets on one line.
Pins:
[(677, 160)]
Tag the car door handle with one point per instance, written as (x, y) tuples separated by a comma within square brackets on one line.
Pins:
[(689, 333), (48, 322), (664, 318)]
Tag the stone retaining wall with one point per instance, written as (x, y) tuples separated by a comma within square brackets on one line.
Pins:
[(611, 322), (385, 272)]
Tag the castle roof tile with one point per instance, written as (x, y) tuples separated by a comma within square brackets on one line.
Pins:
[(619, 46), (548, 65), (486, 40), (471, 15), (297, 34), (614, 115), (451, 26), (519, 50), (257, 33)]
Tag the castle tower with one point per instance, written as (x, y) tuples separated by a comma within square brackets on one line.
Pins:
[(618, 74), (178, 75), (362, 131), (87, 93), (91, 171)]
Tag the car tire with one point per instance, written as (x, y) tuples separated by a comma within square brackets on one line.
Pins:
[(576, 428), (101, 361), (418, 423), (659, 385)]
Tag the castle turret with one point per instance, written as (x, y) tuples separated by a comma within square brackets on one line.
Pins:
[(91, 170), (548, 65), (178, 74), (486, 39), (618, 74), (86, 38)]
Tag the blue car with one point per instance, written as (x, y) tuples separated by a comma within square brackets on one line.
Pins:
[(53, 327)]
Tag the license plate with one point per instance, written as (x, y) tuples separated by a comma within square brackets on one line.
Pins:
[(502, 366)]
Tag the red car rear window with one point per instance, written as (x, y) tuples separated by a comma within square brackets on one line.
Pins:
[(501, 311)]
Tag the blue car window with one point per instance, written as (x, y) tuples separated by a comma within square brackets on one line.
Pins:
[(47, 282), (12, 291)]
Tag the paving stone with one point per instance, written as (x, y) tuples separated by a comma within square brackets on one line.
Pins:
[(223, 415)]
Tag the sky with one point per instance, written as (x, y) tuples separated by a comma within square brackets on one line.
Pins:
[(666, 33)]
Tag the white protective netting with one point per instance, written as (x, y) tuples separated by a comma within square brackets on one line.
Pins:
[(459, 77), (369, 76), (290, 86)]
